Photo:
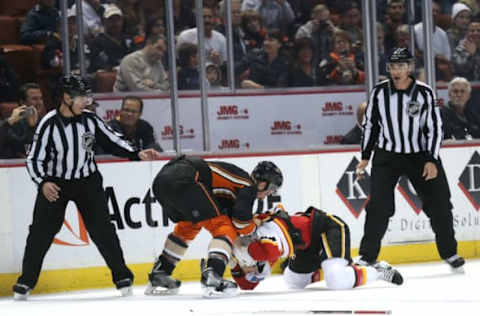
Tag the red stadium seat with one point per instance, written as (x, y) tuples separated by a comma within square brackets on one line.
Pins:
[(17, 7), (104, 81), (9, 30)]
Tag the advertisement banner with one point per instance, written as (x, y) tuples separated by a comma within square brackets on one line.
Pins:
[(324, 180), (246, 123)]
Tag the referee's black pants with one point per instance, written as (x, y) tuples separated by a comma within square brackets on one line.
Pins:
[(48, 217), (387, 167)]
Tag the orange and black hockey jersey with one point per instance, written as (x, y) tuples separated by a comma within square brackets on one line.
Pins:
[(235, 192)]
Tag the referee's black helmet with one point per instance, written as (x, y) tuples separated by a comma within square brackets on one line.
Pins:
[(75, 85), (400, 55)]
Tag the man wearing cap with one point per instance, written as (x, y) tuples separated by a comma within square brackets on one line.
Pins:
[(404, 128), (61, 162), (110, 46)]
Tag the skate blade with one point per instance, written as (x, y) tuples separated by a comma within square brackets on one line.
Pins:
[(20, 297), (208, 292), (159, 291), (126, 291), (459, 270)]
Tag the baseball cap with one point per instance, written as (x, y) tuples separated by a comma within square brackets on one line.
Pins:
[(111, 10)]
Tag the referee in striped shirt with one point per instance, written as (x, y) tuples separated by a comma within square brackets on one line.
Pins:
[(404, 128), (61, 162)]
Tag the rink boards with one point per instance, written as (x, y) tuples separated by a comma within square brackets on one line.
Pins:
[(323, 179)]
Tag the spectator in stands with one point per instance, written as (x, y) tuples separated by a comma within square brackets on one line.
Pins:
[(303, 71), (460, 120), (395, 16), (92, 17), (461, 15), (268, 68), (109, 47), (215, 42), (134, 17), (320, 29), (239, 47), (402, 40), (188, 75), (466, 57), (135, 130), (40, 23), (382, 56), (155, 26), (214, 76), (303, 11), (275, 14), (252, 28), (216, 17), (18, 114), (8, 82), (351, 22), (354, 136), (143, 70), (440, 43), (341, 67), (474, 5), (30, 94), (20, 127), (52, 55)]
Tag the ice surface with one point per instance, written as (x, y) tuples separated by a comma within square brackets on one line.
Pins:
[(429, 289)]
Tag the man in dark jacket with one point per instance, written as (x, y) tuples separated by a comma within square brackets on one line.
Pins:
[(137, 131), (109, 47), (354, 136), (460, 121), (40, 23)]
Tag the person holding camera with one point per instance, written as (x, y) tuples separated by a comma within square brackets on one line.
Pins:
[(341, 67), (320, 29), (17, 131)]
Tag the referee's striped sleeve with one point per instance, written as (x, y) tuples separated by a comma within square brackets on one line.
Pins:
[(434, 133), (370, 125), (112, 141), (38, 156)]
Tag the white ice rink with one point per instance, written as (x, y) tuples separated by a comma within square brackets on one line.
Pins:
[(429, 289)]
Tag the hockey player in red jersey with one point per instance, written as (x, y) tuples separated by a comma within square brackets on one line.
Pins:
[(317, 245)]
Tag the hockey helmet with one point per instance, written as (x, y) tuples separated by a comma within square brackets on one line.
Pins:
[(75, 85), (267, 171), (400, 55)]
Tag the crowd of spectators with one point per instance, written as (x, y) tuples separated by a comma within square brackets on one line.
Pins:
[(320, 41)]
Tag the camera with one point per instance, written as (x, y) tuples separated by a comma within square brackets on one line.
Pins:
[(29, 111)]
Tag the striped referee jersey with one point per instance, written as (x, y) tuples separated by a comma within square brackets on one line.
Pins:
[(402, 121), (64, 147)]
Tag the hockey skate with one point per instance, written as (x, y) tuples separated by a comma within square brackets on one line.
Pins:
[(160, 283), (125, 287), (387, 273), (456, 263), (213, 286), (20, 292)]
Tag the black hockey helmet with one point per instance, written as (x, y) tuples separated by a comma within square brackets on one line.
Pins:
[(400, 55), (75, 85), (267, 171)]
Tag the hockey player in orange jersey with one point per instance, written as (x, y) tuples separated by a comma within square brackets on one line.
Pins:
[(317, 245), (214, 195)]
